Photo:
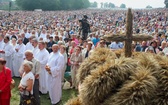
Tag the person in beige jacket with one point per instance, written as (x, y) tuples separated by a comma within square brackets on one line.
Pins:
[(75, 60)]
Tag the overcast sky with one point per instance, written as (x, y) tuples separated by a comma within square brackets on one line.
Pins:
[(135, 3)]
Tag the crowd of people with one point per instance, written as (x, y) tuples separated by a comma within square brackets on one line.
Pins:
[(40, 46)]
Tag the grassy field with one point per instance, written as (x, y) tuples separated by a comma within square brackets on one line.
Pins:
[(66, 94)]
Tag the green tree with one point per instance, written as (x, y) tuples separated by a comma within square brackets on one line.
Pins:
[(94, 4), (65, 4), (37, 4), (166, 3), (106, 5), (86, 3), (148, 6), (122, 6), (78, 4), (102, 4), (52, 4), (111, 5), (5, 0)]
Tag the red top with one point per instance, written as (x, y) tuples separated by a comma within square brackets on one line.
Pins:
[(5, 81)]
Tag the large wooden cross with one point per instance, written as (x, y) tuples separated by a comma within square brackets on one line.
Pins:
[(128, 38)]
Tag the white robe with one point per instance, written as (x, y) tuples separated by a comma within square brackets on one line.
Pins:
[(8, 54), (42, 57), (27, 35), (56, 61), (13, 58), (36, 34), (43, 36), (29, 46), (18, 59), (1, 46), (35, 51)]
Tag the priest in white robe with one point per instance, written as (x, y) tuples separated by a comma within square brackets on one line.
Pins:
[(42, 56), (54, 68), (7, 52), (29, 45), (18, 57), (1, 44), (43, 35), (36, 48)]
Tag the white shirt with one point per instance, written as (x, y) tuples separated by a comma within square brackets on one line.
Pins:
[(24, 79), (115, 45)]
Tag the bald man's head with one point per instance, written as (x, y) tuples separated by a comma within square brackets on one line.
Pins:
[(29, 55), (55, 48)]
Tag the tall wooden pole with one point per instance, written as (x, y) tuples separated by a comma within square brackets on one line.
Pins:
[(128, 43)]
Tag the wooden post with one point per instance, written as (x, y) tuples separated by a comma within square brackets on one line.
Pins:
[(128, 43)]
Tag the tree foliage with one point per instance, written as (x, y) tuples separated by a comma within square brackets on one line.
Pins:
[(4, 1), (5, 5), (111, 5), (166, 3), (106, 5), (53, 4), (122, 6), (148, 6), (94, 4), (102, 4)]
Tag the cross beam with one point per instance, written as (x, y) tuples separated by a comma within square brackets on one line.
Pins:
[(128, 38)]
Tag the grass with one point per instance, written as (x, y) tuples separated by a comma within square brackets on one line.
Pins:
[(66, 94)]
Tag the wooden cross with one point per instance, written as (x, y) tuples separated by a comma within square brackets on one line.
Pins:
[(128, 38)]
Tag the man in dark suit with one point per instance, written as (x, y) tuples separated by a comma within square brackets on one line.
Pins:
[(25, 40), (50, 44)]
